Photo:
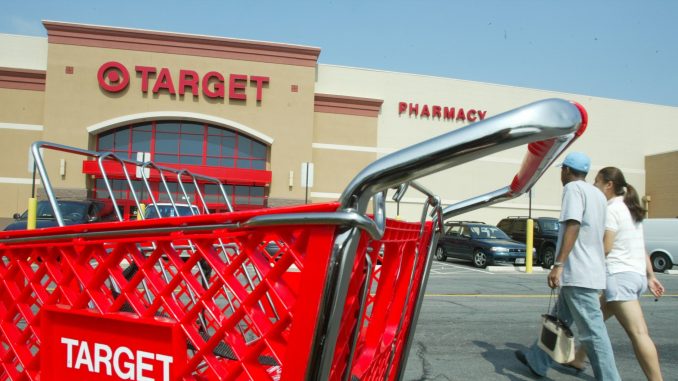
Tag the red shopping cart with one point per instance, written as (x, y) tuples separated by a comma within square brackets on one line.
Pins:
[(313, 292)]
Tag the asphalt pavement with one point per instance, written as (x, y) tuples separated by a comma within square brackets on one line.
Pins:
[(472, 321)]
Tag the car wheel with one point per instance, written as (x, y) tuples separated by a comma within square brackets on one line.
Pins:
[(480, 259), (661, 262), (440, 254), (548, 257)]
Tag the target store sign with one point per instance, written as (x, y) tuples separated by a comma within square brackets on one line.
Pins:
[(114, 77)]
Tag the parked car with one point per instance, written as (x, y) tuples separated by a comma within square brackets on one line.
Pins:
[(480, 243), (73, 212), (661, 242), (545, 236), (167, 210)]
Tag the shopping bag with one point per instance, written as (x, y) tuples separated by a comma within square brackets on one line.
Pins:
[(556, 339)]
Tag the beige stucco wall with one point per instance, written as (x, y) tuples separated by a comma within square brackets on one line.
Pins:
[(342, 129), (21, 106), (336, 154), (14, 151), (20, 109)]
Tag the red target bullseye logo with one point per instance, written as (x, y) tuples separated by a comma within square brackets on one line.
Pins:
[(113, 76)]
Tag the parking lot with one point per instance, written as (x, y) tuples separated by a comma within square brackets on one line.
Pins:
[(472, 320)]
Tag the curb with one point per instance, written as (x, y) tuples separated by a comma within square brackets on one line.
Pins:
[(513, 269), (501, 269), (671, 272)]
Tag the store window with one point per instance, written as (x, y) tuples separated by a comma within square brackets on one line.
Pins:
[(188, 143), (178, 142)]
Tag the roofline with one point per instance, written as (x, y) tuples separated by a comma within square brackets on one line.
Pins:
[(179, 43)]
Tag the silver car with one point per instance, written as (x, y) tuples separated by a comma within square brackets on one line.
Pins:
[(168, 210)]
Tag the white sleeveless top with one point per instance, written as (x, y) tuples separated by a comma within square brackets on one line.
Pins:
[(628, 250)]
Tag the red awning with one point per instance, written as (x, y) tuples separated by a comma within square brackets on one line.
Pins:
[(234, 176)]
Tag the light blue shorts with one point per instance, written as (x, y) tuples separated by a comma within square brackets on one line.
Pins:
[(625, 286)]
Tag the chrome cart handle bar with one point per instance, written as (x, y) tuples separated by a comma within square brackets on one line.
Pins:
[(538, 121), (539, 158)]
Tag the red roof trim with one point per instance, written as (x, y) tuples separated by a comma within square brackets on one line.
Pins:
[(176, 43), (22, 79), (339, 104)]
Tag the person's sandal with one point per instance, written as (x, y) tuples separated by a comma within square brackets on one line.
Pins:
[(577, 370)]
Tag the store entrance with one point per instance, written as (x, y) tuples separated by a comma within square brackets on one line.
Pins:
[(239, 161)]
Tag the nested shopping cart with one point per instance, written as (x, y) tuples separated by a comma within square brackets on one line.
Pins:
[(314, 292)]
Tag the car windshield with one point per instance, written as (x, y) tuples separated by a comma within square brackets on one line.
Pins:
[(72, 211), (550, 224), (168, 211), (487, 232)]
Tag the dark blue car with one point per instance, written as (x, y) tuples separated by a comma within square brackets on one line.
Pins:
[(73, 212), (479, 243)]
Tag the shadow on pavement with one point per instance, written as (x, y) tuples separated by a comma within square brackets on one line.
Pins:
[(505, 360)]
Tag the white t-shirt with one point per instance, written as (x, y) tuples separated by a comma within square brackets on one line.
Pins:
[(585, 266), (628, 249)]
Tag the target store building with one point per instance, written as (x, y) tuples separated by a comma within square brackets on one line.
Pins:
[(259, 115)]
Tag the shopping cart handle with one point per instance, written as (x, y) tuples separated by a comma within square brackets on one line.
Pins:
[(318, 218), (548, 120), (539, 157), (542, 154)]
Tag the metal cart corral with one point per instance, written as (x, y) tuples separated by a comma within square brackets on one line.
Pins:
[(201, 297)]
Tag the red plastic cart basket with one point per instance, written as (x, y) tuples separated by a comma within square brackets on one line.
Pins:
[(314, 292)]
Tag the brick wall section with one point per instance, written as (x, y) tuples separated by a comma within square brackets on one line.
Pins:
[(661, 184), (4, 222), (69, 193), (274, 202)]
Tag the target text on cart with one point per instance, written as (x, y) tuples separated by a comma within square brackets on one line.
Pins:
[(122, 362)]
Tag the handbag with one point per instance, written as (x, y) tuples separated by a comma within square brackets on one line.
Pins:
[(556, 338)]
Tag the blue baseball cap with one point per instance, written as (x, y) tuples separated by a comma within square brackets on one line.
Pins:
[(577, 161)]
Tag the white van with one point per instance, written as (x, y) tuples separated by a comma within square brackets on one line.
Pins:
[(661, 242)]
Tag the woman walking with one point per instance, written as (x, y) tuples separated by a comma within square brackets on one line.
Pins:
[(629, 271)]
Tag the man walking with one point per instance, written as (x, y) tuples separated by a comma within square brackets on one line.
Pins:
[(579, 271)]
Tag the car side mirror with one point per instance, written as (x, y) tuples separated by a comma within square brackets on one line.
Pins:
[(16, 216), (93, 219)]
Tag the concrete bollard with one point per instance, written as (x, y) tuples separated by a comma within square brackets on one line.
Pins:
[(32, 213)]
